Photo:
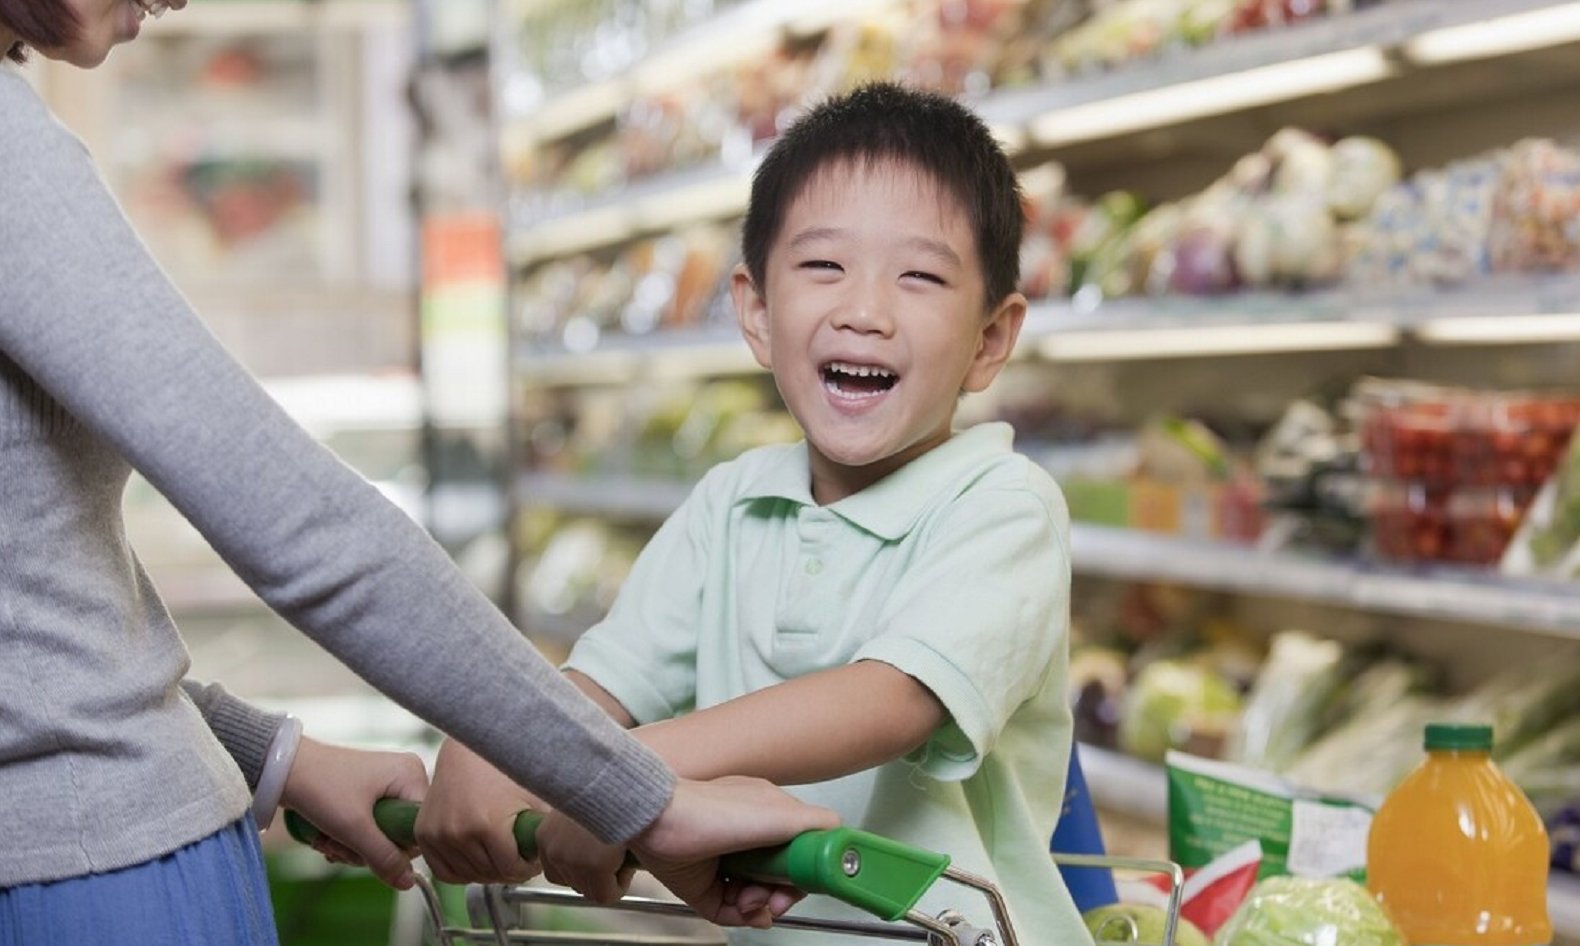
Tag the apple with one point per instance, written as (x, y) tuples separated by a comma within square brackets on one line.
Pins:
[(1138, 923)]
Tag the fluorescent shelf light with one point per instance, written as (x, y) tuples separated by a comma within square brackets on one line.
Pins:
[(1214, 95), (1188, 341), (1535, 29), (1504, 329)]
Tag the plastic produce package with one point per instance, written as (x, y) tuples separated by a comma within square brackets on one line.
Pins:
[(1548, 540), (1304, 911), (1230, 825)]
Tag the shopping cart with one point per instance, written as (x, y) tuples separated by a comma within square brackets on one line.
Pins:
[(877, 875)]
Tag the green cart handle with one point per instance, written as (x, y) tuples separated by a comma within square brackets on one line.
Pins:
[(870, 872)]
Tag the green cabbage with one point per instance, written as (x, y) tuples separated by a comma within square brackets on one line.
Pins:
[(1305, 911)]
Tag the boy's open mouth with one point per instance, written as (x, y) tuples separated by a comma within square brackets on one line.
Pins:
[(852, 380)]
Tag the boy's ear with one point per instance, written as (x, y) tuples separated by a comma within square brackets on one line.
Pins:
[(996, 343), (752, 314)]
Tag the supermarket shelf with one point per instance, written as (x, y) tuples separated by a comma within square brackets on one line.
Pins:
[(621, 497), (1126, 785), (1054, 331), (1257, 69), (1500, 310), (1140, 790), (1441, 593), (750, 29), (676, 354), (691, 196), (1232, 75), (1125, 329)]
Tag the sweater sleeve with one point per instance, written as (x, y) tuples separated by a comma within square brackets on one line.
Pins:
[(243, 729), (86, 312)]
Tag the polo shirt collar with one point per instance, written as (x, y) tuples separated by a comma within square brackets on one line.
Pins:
[(891, 507)]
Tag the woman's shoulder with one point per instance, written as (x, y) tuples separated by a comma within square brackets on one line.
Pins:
[(26, 124)]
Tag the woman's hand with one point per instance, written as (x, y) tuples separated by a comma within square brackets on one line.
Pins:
[(465, 828), (573, 857), (335, 787), (707, 819)]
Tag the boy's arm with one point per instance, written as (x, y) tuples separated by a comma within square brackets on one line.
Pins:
[(809, 729), (602, 697)]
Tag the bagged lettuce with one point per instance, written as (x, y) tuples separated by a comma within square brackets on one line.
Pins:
[(1306, 911)]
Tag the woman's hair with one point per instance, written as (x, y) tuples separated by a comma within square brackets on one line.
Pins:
[(37, 23)]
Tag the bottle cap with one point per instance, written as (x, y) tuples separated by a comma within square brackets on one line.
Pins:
[(1458, 737)]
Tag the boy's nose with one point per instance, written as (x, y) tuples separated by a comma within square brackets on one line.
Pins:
[(866, 310)]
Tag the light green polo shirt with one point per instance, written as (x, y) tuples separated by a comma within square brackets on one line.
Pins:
[(954, 569)]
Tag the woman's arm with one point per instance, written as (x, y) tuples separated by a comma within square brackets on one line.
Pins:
[(89, 316)]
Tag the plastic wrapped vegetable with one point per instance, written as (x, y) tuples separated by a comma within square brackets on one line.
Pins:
[(1304, 911), (1179, 705), (1287, 703)]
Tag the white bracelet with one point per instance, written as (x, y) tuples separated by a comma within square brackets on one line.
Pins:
[(276, 766)]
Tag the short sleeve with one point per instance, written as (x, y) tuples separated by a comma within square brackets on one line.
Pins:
[(979, 618), (644, 652)]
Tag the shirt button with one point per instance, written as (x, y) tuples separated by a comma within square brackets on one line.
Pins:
[(813, 566)]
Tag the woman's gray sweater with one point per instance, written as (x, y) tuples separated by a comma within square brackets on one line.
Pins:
[(105, 760)]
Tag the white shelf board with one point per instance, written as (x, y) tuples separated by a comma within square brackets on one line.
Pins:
[(1126, 785), (624, 497), (1496, 310), (1139, 789), (1441, 593), (711, 192), (676, 354), (1131, 98), (1066, 331)]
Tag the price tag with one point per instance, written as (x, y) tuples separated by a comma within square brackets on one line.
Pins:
[(1327, 840)]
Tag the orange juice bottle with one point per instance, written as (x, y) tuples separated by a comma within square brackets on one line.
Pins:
[(1456, 853)]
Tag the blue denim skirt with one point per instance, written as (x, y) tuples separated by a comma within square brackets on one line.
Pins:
[(213, 892)]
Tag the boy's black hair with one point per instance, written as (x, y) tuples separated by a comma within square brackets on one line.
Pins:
[(885, 122)]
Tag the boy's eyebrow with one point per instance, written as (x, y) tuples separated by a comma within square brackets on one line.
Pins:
[(933, 248)]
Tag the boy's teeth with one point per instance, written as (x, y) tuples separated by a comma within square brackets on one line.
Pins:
[(860, 371)]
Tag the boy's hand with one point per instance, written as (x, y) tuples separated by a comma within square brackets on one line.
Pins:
[(335, 787), (465, 826), (707, 819), (573, 857)]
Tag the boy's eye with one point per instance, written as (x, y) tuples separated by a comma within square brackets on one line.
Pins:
[(822, 264), (925, 276)]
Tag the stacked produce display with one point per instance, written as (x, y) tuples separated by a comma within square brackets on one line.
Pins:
[(954, 46)]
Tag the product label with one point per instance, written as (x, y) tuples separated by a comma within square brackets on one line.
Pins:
[(1216, 806), (1326, 840)]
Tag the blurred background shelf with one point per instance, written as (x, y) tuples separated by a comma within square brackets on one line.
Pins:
[(740, 32), (1496, 311), (1437, 592), (1385, 43)]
